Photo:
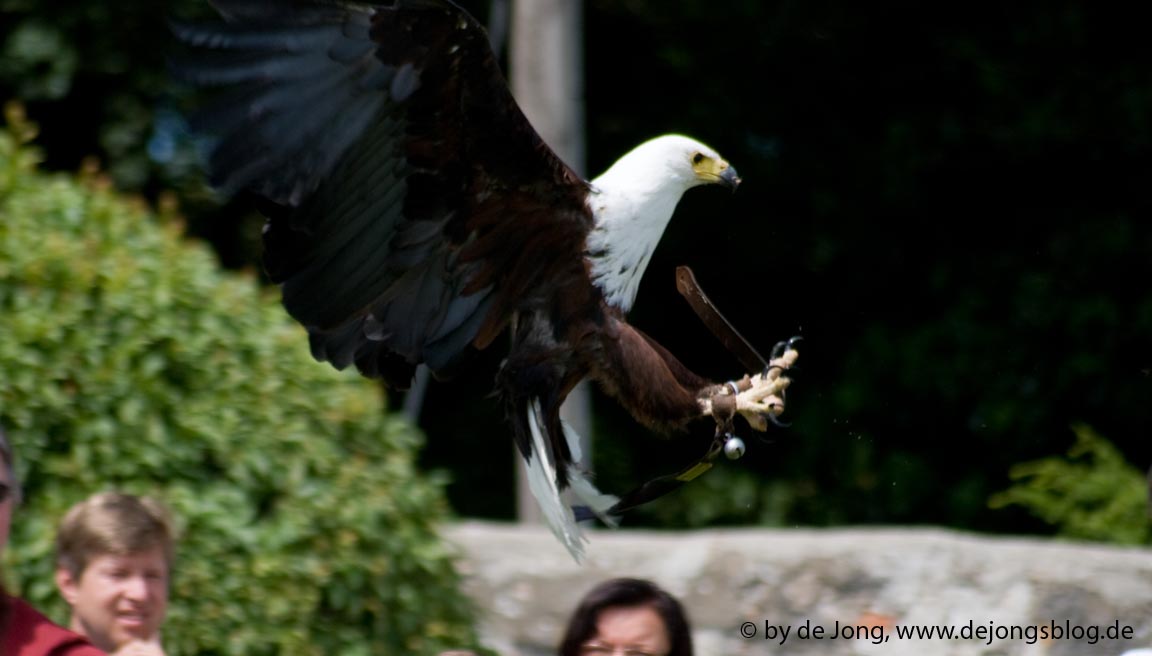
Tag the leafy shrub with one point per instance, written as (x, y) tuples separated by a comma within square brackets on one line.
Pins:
[(1093, 494), (128, 360)]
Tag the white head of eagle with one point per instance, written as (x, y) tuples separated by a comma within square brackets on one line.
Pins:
[(632, 203)]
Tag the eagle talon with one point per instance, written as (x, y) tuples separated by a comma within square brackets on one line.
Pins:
[(773, 367), (782, 347)]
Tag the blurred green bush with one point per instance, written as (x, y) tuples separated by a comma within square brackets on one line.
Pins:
[(128, 360), (1092, 494)]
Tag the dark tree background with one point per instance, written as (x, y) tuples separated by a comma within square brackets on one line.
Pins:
[(950, 203)]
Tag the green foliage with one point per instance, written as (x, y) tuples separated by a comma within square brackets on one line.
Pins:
[(130, 361), (1093, 494)]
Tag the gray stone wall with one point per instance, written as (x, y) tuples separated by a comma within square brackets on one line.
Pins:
[(1001, 596)]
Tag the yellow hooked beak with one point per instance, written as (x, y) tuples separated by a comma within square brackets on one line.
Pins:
[(713, 170)]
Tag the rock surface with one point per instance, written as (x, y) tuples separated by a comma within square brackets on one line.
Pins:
[(804, 592)]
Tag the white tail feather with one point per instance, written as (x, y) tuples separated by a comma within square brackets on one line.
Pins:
[(581, 487), (542, 482)]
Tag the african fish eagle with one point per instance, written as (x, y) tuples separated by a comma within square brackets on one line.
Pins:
[(414, 216)]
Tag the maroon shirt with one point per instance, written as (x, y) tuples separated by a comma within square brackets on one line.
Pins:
[(29, 633)]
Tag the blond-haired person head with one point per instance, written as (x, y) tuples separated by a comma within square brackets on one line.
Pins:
[(114, 556)]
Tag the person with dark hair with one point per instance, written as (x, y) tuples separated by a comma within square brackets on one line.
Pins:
[(24, 631), (627, 617)]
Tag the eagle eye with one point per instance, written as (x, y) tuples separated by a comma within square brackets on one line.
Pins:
[(697, 158)]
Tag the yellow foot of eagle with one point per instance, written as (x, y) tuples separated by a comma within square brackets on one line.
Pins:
[(758, 398)]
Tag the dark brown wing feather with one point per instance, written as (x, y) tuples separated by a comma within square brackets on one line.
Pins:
[(412, 209)]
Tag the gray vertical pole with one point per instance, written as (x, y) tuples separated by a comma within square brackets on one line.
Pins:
[(546, 74)]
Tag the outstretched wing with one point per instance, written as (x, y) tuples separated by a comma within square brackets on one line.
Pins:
[(412, 207)]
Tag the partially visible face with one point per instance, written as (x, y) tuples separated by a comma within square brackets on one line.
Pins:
[(630, 631), (118, 599)]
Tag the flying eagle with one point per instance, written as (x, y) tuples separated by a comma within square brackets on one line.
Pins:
[(414, 216)]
